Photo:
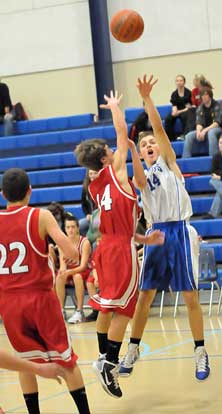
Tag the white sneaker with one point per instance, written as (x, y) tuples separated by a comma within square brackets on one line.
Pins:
[(127, 364), (202, 363), (77, 317)]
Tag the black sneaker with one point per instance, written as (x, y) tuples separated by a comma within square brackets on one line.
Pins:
[(92, 316), (107, 373)]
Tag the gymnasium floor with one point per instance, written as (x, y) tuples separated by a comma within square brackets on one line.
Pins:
[(163, 380)]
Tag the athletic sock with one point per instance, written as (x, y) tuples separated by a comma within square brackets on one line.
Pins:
[(198, 343), (80, 398), (113, 349), (102, 340), (135, 341), (32, 402)]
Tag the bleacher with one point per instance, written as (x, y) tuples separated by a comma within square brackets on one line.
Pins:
[(44, 148)]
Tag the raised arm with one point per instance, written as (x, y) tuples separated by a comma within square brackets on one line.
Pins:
[(139, 177), (120, 126), (145, 87)]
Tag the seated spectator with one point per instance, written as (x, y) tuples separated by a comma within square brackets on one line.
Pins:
[(199, 81), (74, 274), (215, 181), (87, 203), (181, 101), (140, 124), (208, 124), (59, 213), (6, 113)]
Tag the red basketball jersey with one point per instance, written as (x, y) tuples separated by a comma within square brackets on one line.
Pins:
[(119, 210), (24, 260)]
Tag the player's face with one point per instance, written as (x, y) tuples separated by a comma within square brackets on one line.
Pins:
[(149, 149), (93, 174), (108, 159), (71, 228)]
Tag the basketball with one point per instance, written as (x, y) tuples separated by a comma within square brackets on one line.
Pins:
[(126, 26)]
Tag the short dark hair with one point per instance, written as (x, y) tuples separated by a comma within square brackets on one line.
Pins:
[(15, 184), (69, 217), (90, 152), (206, 91)]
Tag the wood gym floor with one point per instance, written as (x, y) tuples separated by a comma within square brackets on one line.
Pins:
[(163, 381)]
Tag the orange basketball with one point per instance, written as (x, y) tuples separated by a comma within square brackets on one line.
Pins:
[(126, 25)]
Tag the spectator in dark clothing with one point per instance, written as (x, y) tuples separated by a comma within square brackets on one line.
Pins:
[(181, 101), (216, 182), (140, 124), (6, 112), (208, 124), (88, 205)]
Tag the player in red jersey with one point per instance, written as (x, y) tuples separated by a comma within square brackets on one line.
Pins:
[(77, 273), (28, 305), (116, 258)]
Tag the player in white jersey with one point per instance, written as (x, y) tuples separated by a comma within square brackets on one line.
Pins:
[(167, 206)]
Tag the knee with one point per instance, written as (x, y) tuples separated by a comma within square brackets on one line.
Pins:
[(191, 300), (145, 300)]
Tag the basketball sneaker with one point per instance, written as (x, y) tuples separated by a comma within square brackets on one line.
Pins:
[(202, 363), (107, 373), (126, 365), (77, 317)]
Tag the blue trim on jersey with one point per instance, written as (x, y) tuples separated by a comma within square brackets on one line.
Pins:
[(169, 264)]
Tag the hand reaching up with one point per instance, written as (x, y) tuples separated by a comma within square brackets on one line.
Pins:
[(145, 86), (111, 100)]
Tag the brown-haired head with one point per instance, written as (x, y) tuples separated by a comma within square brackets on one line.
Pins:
[(89, 153), (206, 91)]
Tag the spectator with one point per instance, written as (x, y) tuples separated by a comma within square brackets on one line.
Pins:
[(88, 205), (60, 214), (215, 181), (6, 114), (199, 82), (208, 124), (140, 124), (181, 101), (77, 272)]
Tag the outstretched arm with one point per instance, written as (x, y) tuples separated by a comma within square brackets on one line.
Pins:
[(120, 125), (139, 177), (145, 87), (14, 363)]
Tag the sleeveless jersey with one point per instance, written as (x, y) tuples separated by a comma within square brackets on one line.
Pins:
[(119, 209), (165, 197), (24, 260), (79, 248)]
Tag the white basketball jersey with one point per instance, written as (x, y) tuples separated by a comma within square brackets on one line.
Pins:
[(165, 197)]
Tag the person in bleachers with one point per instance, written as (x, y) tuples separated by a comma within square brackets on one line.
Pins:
[(76, 273), (140, 124), (199, 82), (181, 101), (215, 181), (6, 111), (88, 205), (208, 124), (59, 213)]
